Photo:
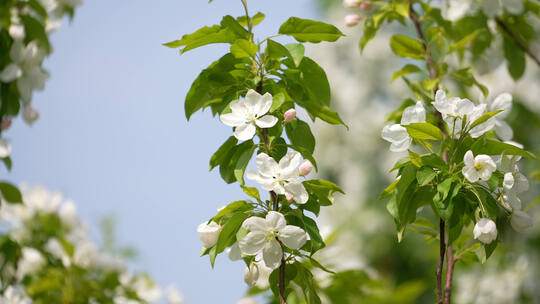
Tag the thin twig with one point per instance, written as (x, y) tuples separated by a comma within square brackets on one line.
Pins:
[(442, 250), (450, 262), (518, 42)]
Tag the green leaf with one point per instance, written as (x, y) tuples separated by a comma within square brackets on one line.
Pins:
[(424, 131), (277, 101), (415, 159), (515, 58), (252, 191), (371, 26), (35, 31), (296, 51), (8, 163), (321, 191), (228, 22), (466, 78), (255, 19), (235, 162), (227, 236), (435, 161), (425, 175), (406, 70), (305, 30), (219, 156), (276, 50), (493, 147), (10, 193), (203, 36), (242, 48), (461, 44), (242, 162), (484, 118), (407, 47), (234, 207), (389, 190), (315, 80), (299, 133)]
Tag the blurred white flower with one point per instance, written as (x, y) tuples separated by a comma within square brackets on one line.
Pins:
[(85, 254), (492, 8), (29, 114), (174, 296), (14, 295), (521, 221), (282, 178), (31, 262), (5, 148), (479, 167), (397, 135), (146, 289), (264, 235), (68, 213), (55, 248), (234, 253), (248, 114), (17, 32), (209, 233), (352, 3), (251, 274), (485, 231), (502, 128)]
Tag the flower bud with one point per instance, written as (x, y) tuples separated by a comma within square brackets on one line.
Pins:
[(352, 3), (6, 123), (305, 168), (521, 221), (289, 115), (209, 233), (16, 31), (251, 274), (289, 197), (352, 19), (30, 115), (485, 231), (366, 6)]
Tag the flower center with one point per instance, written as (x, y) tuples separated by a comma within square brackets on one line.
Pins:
[(271, 234), (479, 166)]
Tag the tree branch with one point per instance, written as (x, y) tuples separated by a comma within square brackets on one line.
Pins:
[(449, 275), (518, 42)]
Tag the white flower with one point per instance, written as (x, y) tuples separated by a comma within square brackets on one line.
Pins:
[(29, 114), (485, 231), (479, 167), (397, 135), (31, 262), (453, 111), (68, 213), (174, 296), (234, 253), (521, 221), (251, 274), (492, 8), (502, 129), (5, 148), (352, 3), (249, 113), (86, 254), (282, 178), (17, 32), (209, 233), (14, 295), (146, 290), (264, 235), (352, 19), (55, 248)]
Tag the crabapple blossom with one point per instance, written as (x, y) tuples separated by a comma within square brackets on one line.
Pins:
[(209, 233), (29, 114), (14, 295), (248, 114), (264, 234), (352, 3), (352, 19), (32, 261), (282, 178), (289, 115), (479, 167), (521, 221), (174, 296), (305, 168), (17, 32), (485, 231), (397, 135), (5, 148), (251, 274)]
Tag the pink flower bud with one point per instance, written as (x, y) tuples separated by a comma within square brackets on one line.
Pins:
[(289, 197), (289, 115), (6, 123), (365, 6), (305, 168), (352, 3), (352, 19)]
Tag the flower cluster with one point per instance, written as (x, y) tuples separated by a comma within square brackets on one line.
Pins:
[(21, 71), (353, 19), (47, 242)]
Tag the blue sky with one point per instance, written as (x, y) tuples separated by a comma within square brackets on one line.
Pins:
[(113, 136)]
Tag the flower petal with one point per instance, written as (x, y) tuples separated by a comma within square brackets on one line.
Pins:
[(245, 131), (502, 102), (275, 220), (272, 254), (266, 165), (255, 223), (252, 243), (413, 114), (293, 237), (11, 72), (470, 174), (394, 133), (289, 163), (252, 100), (267, 121), (298, 191), (239, 108), (264, 105), (503, 130), (401, 146), (468, 159), (232, 119), (5, 148)]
